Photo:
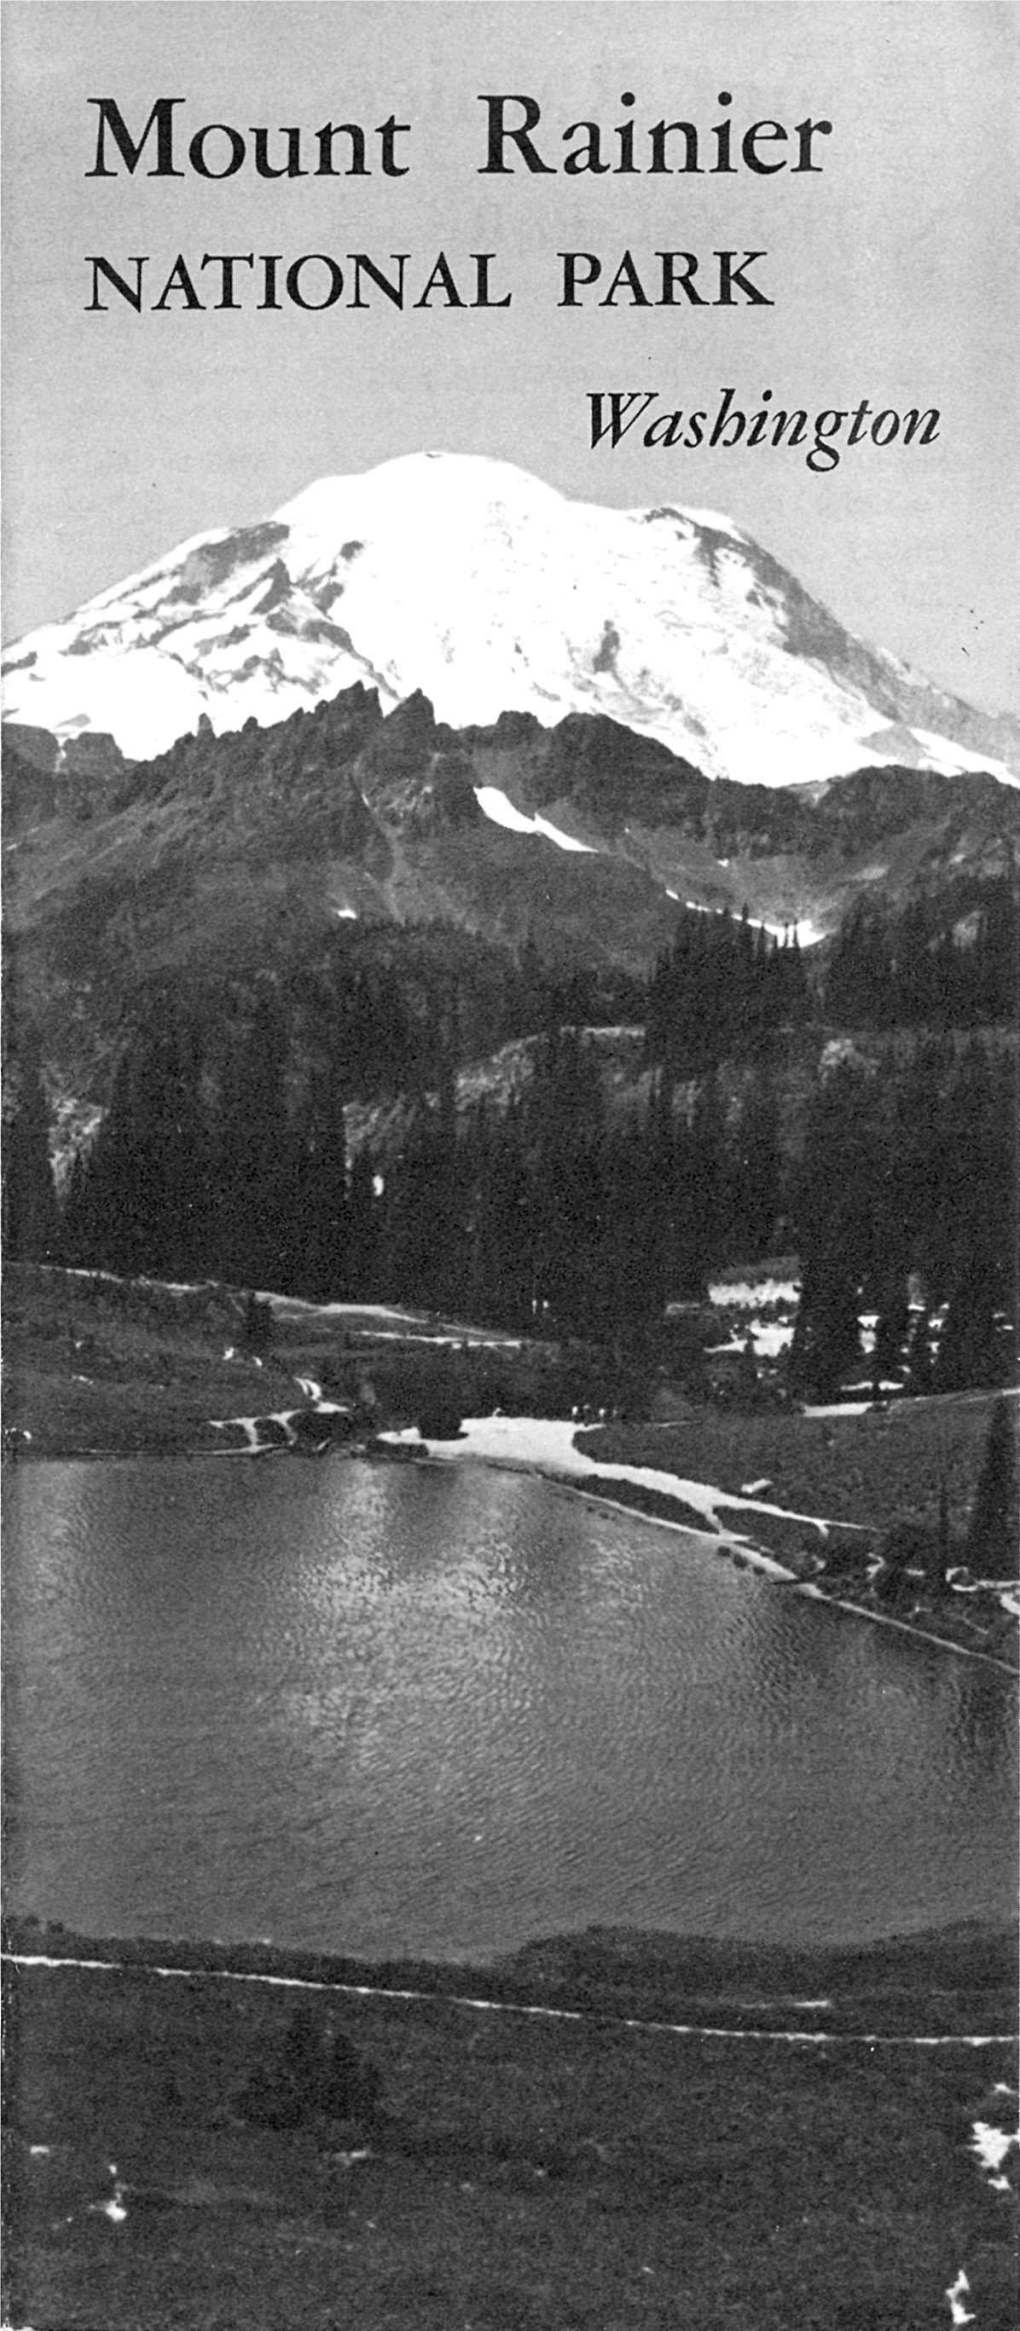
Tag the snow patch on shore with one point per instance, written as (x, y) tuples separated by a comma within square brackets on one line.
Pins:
[(546, 1445), (837, 1408), (956, 2293), (992, 2146)]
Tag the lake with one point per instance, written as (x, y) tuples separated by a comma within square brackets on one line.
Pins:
[(407, 1709)]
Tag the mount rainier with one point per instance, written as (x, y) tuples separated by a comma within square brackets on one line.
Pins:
[(490, 592)]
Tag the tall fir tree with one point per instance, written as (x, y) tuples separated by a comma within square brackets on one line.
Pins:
[(256, 1158), (30, 1218), (993, 1537)]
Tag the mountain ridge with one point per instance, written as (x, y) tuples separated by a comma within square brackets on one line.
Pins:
[(265, 851)]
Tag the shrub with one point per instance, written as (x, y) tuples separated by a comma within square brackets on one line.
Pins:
[(317, 2071)]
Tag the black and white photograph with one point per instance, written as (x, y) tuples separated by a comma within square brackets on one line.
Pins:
[(511, 820)]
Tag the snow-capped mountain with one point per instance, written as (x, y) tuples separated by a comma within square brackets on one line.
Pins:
[(488, 591)]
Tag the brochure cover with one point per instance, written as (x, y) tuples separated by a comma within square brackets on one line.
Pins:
[(512, 794)]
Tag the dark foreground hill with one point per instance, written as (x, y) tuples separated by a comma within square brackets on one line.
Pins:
[(216, 2152)]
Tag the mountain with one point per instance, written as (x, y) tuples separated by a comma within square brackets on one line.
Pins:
[(483, 589), (394, 866)]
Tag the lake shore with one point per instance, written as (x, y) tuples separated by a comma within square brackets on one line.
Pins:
[(99, 1368), (826, 1555), (585, 2164), (952, 1980)]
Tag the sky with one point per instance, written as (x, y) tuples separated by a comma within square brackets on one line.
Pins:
[(891, 270)]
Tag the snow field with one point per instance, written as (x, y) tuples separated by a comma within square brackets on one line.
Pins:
[(490, 592)]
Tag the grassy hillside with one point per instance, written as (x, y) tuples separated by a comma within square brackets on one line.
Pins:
[(512, 2173)]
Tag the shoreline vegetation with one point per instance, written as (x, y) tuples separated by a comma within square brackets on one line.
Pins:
[(397, 2155), (100, 1367), (939, 1983)]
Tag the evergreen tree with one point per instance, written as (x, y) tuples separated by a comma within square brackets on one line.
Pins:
[(857, 984), (30, 1219), (361, 1272), (970, 1352), (993, 1538), (76, 1230), (891, 1328), (174, 1153), (256, 1160), (756, 1172), (315, 1256), (690, 1235), (835, 1213), (919, 1360), (708, 1170), (793, 990), (108, 1226), (566, 1161), (944, 1543), (826, 1336), (500, 1223), (635, 1245)]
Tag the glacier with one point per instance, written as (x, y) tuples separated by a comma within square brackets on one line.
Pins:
[(489, 592)]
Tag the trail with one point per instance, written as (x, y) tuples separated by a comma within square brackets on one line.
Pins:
[(630, 2023)]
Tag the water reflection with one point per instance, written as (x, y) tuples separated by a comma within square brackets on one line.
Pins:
[(388, 1708)]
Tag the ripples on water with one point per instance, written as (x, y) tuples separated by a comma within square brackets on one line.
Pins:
[(438, 1709)]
